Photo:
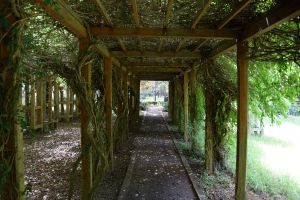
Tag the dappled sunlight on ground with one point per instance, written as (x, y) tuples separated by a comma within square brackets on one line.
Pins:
[(282, 155)]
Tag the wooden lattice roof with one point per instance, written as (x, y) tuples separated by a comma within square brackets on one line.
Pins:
[(174, 31)]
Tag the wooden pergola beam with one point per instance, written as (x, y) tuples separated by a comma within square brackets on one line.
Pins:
[(222, 47), (262, 25), (228, 18), (63, 14), (154, 69), (241, 5), (154, 64), (163, 32), (266, 23), (201, 13), (153, 54), (103, 50), (101, 8), (135, 14)]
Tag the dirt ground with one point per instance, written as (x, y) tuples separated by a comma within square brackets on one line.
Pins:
[(48, 161)]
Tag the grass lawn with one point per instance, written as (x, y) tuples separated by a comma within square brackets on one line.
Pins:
[(273, 160)]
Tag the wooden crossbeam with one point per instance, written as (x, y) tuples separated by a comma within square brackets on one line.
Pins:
[(101, 8), (168, 12), (162, 32), (166, 21), (151, 54), (263, 24), (154, 64), (103, 50), (222, 47), (241, 5), (154, 69), (266, 23), (201, 12), (63, 14), (199, 15), (135, 14)]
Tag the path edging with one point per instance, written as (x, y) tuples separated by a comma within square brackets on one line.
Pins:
[(192, 177), (124, 189)]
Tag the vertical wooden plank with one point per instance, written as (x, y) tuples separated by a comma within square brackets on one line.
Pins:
[(193, 105), (242, 131), (67, 103), (56, 103), (125, 85), (32, 104), (71, 111), (108, 103), (209, 131), (10, 132), (186, 105), (50, 105), (86, 162)]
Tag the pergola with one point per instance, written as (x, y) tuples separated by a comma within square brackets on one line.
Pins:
[(147, 43)]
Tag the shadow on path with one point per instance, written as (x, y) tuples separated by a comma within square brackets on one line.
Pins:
[(157, 172)]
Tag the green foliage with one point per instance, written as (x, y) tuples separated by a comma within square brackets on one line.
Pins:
[(273, 87), (258, 176), (199, 125)]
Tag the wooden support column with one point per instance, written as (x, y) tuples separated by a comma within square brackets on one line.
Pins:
[(86, 162), (67, 103), (193, 105), (61, 102), (186, 106), (50, 105), (125, 89), (32, 104), (242, 131), (56, 104), (171, 100), (39, 105), (11, 136), (108, 104)]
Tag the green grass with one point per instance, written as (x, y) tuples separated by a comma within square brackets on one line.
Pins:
[(258, 176), (293, 119)]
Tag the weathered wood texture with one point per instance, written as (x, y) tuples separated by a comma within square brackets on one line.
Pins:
[(10, 102), (86, 161), (108, 103), (164, 32), (242, 126), (186, 106)]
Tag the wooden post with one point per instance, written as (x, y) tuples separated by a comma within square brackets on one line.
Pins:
[(108, 103), (242, 131), (86, 162), (56, 103), (71, 109), (186, 106), (11, 135), (125, 85), (171, 100), (39, 105), (121, 105), (61, 103), (32, 104), (50, 105), (67, 103), (193, 106)]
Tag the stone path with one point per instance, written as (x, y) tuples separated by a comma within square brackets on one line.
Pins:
[(156, 172)]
